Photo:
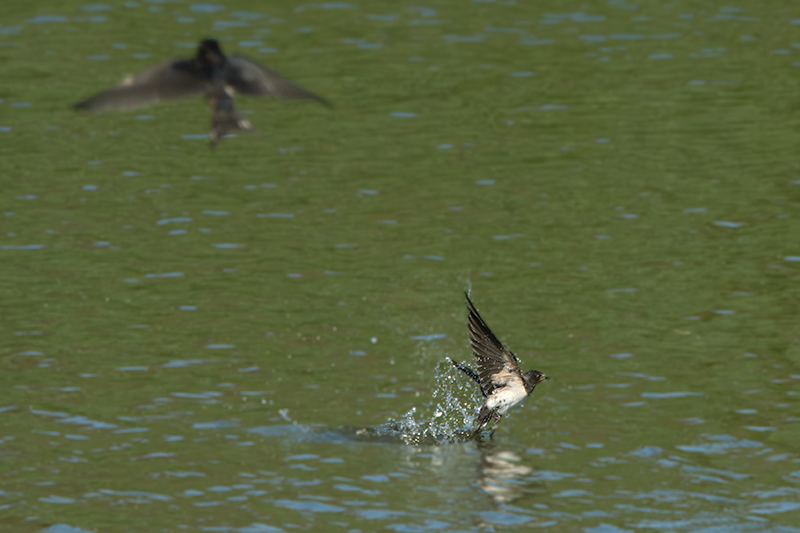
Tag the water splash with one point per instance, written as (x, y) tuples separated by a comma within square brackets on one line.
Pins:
[(455, 405), (448, 418)]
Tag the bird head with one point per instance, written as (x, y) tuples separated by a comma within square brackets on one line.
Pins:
[(209, 52), (531, 378)]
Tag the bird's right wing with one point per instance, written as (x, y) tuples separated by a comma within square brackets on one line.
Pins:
[(497, 366), (175, 78)]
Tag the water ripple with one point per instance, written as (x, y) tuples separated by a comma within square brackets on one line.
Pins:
[(720, 444)]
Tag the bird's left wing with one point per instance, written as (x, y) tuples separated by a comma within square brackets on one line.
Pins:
[(249, 78)]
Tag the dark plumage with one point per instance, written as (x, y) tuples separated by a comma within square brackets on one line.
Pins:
[(209, 73), (502, 384)]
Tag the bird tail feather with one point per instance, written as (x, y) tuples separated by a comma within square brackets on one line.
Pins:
[(467, 370), (225, 117)]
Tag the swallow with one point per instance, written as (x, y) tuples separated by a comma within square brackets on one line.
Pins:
[(209, 73), (502, 383)]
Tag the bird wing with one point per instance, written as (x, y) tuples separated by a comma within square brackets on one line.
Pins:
[(249, 78), (175, 78), (497, 366)]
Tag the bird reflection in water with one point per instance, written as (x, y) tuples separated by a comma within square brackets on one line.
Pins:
[(501, 474)]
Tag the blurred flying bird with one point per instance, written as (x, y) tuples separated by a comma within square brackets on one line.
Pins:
[(209, 73)]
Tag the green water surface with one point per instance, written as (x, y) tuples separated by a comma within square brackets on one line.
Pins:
[(185, 331)]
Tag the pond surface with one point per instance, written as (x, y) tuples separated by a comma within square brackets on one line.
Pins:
[(252, 338)]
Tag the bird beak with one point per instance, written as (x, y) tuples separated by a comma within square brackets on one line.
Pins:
[(542, 378)]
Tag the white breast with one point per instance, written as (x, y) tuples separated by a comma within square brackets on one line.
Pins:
[(505, 398)]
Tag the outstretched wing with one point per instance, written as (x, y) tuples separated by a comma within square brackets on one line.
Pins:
[(497, 366), (175, 78), (249, 78)]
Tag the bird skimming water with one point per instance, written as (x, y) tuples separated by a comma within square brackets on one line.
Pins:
[(209, 73), (502, 384)]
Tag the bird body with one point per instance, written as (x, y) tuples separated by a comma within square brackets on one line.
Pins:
[(502, 383), (209, 73), (499, 402)]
